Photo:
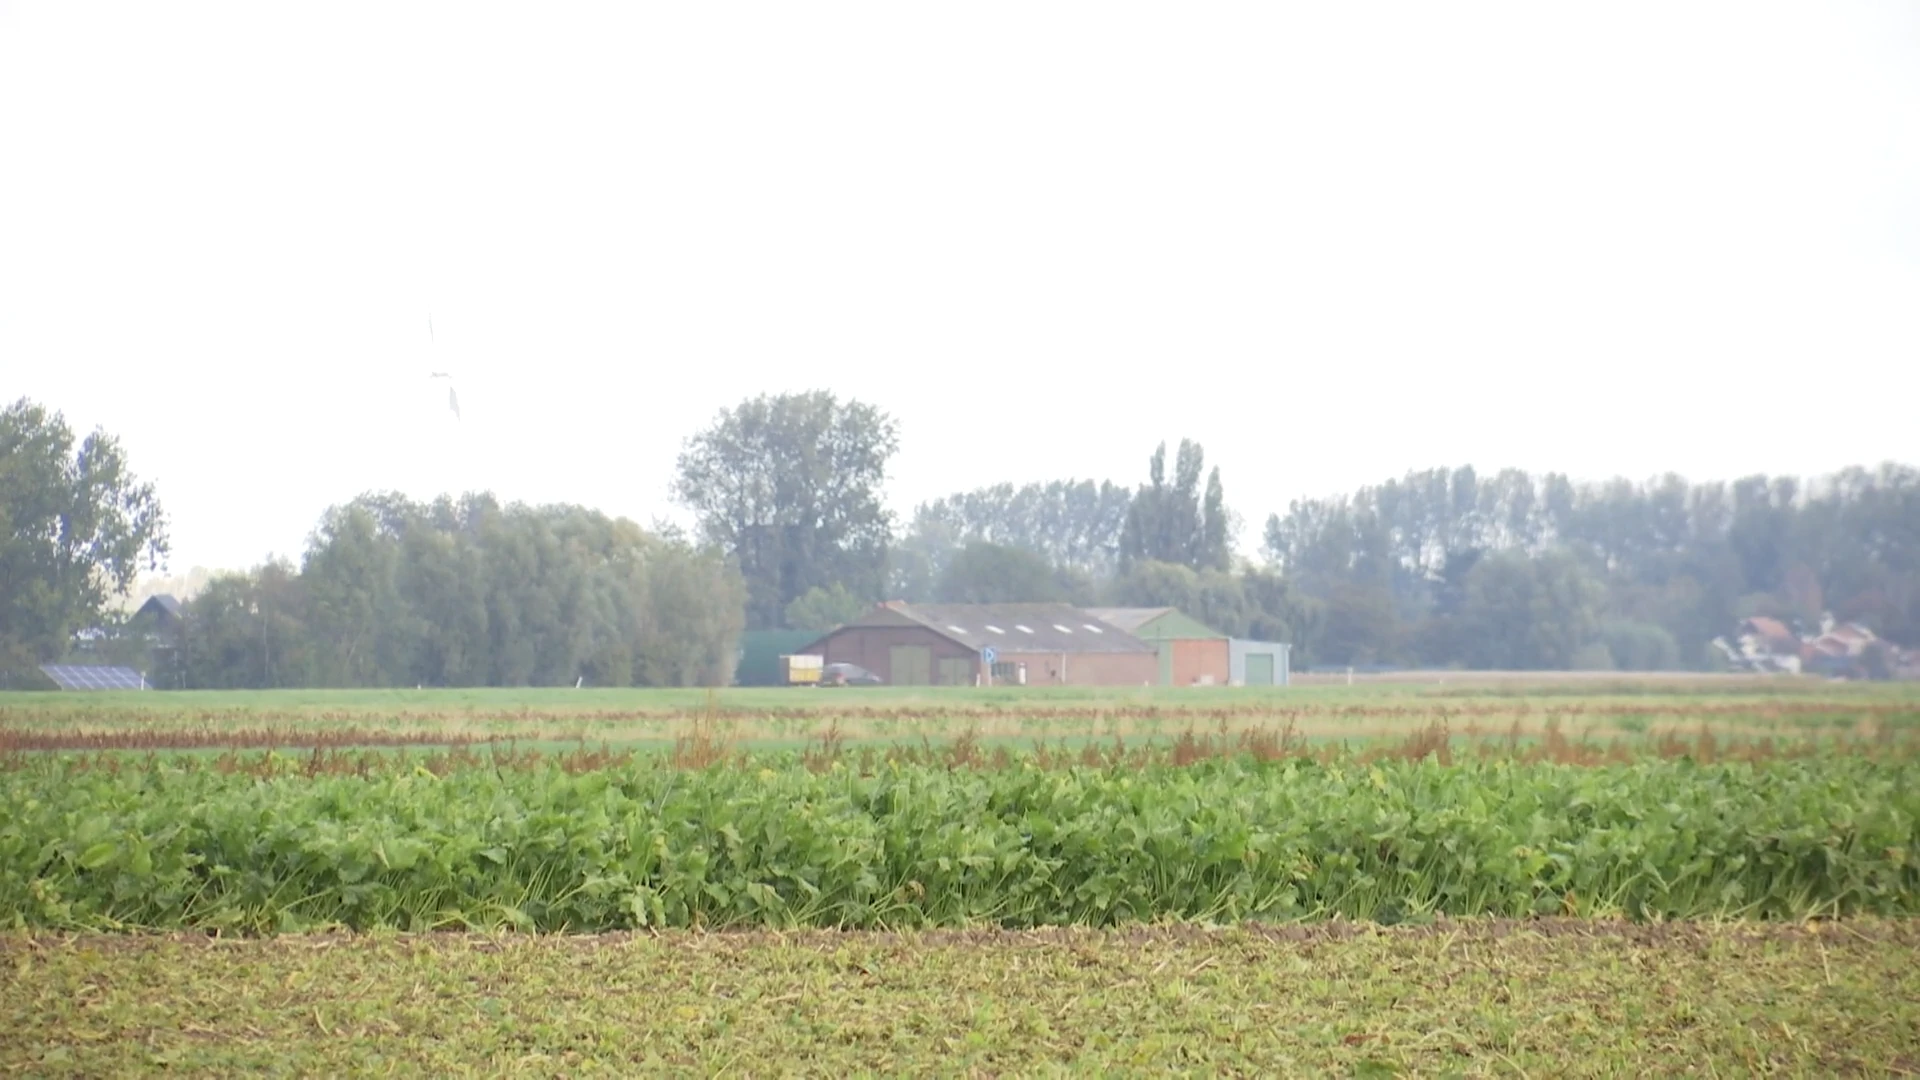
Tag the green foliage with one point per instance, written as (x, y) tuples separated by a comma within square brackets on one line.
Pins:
[(179, 843), (1524, 613), (1593, 656), (75, 527), (1171, 521), (1214, 597), (983, 573), (1690, 559), (820, 610), (394, 593), (1356, 625), (1638, 646), (1072, 524), (789, 487)]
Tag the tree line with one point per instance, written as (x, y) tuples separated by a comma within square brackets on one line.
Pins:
[(1519, 571), (1437, 568), (466, 593)]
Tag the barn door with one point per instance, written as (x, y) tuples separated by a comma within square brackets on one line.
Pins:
[(1259, 669), (910, 665), (956, 671)]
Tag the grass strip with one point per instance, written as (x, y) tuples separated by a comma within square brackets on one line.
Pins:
[(1469, 998)]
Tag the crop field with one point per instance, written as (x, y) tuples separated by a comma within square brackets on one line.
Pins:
[(1682, 874), (1595, 707)]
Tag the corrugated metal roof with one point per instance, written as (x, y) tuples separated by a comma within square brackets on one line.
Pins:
[(1014, 628)]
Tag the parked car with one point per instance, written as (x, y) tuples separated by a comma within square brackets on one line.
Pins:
[(848, 675)]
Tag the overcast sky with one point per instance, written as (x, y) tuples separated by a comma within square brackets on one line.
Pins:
[(1332, 242)]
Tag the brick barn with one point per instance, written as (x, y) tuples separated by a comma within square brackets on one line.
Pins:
[(1191, 652), (941, 644)]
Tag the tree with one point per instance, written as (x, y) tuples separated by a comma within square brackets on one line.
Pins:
[(1529, 613), (75, 528), (1070, 523), (361, 624), (789, 487), (470, 593), (245, 631), (695, 606), (825, 609), (1171, 521), (1639, 646), (984, 573)]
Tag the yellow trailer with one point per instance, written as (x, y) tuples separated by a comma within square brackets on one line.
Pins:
[(801, 670)]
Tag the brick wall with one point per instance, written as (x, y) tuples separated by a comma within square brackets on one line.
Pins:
[(1199, 657), (1088, 669)]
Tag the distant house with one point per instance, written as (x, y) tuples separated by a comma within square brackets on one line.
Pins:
[(161, 611), (1840, 650), (1033, 644), (1191, 653)]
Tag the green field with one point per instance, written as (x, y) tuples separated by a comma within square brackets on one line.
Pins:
[(1477, 998), (1597, 707), (1539, 877)]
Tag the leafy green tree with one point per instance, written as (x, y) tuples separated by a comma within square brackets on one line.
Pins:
[(1639, 646), (984, 573), (245, 631), (76, 525), (789, 487), (361, 625), (1072, 524), (696, 602), (1357, 625), (1529, 612), (825, 609), (472, 593), (1171, 521), (1214, 597)]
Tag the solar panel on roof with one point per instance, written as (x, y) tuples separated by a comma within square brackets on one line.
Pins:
[(94, 677)]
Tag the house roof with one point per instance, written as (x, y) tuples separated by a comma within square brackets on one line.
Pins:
[(1128, 618), (165, 602), (1011, 628), (1158, 623), (1771, 629)]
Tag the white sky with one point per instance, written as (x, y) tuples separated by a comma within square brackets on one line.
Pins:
[(1330, 241)]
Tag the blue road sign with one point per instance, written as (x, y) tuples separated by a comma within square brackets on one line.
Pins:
[(987, 654)]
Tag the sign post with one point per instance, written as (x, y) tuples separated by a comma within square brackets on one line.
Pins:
[(987, 655)]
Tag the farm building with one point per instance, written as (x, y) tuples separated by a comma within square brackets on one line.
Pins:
[(1191, 653), (161, 611), (1038, 644), (757, 659), (1260, 663)]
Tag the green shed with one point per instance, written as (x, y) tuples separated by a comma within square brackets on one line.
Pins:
[(760, 651)]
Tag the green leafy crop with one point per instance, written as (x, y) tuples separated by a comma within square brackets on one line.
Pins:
[(178, 843)]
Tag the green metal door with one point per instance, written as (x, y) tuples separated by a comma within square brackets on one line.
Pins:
[(956, 671), (1166, 663), (910, 665), (1259, 669)]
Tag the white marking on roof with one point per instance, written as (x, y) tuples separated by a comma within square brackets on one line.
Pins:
[(994, 629), (1023, 629), (1093, 628), (956, 629), (1062, 629)]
